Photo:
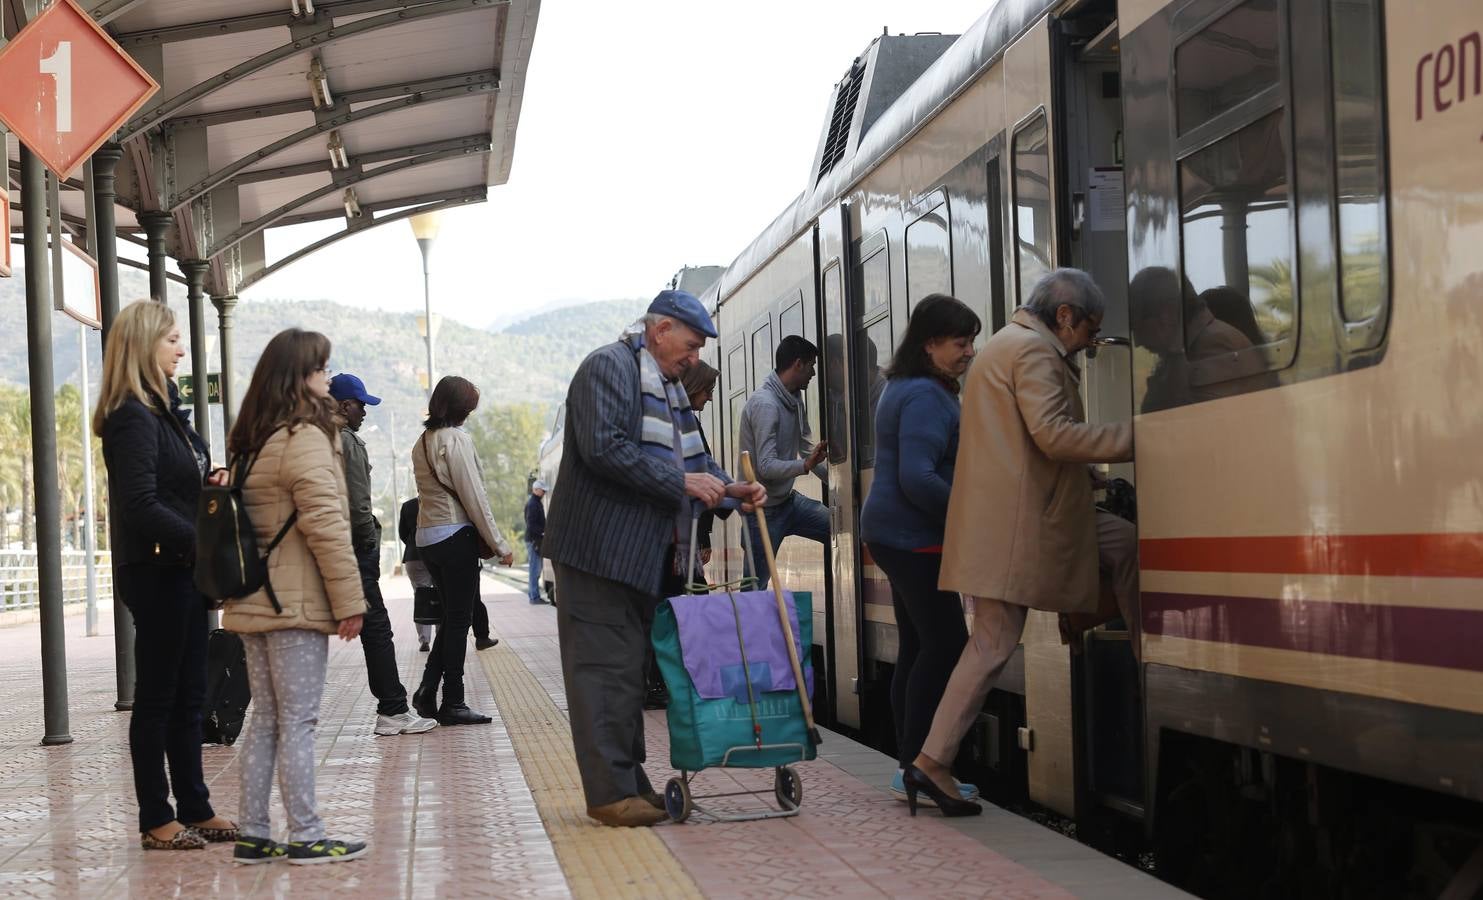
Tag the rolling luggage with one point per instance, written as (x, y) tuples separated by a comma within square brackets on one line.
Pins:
[(227, 690)]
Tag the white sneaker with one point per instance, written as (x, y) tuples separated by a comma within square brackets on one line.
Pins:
[(405, 723)]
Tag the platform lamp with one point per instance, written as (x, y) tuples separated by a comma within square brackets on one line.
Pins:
[(425, 228)]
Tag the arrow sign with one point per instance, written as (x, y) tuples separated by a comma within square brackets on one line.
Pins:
[(68, 86)]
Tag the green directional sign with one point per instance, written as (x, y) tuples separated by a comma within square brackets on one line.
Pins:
[(187, 384)]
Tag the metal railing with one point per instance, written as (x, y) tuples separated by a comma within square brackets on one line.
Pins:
[(18, 588)]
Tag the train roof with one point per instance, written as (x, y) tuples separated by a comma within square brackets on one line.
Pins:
[(880, 127)]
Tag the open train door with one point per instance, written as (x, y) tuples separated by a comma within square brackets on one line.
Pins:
[(843, 616)]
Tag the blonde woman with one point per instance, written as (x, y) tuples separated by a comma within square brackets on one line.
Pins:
[(288, 434), (156, 465)]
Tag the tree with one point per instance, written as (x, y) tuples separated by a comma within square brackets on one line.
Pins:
[(508, 439)]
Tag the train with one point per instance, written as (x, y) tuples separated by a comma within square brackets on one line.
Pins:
[(1306, 715)]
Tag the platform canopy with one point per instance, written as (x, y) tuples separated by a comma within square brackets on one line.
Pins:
[(281, 112)]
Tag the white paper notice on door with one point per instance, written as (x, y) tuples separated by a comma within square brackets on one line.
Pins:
[(1105, 199)]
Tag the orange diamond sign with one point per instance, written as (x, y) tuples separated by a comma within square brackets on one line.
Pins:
[(68, 86)]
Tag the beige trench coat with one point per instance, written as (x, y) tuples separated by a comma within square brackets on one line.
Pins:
[(1020, 523)]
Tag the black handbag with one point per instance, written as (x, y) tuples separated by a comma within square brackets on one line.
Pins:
[(228, 564), (427, 606)]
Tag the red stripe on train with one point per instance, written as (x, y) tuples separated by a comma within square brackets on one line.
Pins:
[(1448, 638), (1454, 555)]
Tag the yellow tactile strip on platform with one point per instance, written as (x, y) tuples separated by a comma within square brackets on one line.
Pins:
[(598, 861)]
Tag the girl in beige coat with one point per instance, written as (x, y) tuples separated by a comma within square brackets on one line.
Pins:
[(288, 431), (1022, 532)]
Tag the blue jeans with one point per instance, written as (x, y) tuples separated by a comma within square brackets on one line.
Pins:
[(800, 515), (535, 571)]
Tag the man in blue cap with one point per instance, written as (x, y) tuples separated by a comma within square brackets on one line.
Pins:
[(392, 713), (634, 472)]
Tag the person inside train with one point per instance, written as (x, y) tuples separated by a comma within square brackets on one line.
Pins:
[(1022, 532), (289, 428), (916, 446), (1199, 355), (628, 494), (157, 464), (455, 529), (393, 716), (774, 430)]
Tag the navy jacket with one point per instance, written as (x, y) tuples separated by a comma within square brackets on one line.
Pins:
[(614, 515), (153, 483), (916, 448), (535, 520)]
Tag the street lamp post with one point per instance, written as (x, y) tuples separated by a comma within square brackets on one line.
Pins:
[(425, 229)]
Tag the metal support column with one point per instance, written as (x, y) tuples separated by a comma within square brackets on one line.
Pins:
[(225, 304), (195, 285), (44, 452), (105, 233), (156, 227)]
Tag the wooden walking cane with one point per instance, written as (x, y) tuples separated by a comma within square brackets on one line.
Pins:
[(750, 474)]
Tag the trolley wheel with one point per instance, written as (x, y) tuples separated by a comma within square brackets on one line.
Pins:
[(677, 800), (787, 787)]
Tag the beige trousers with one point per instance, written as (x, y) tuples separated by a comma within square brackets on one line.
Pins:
[(997, 627)]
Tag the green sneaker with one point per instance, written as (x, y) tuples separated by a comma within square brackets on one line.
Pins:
[(250, 851), (304, 853)]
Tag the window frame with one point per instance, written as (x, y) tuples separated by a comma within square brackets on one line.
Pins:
[(1038, 116), (760, 324), (924, 206)]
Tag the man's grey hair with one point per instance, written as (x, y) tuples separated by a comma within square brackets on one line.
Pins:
[(652, 320), (1071, 287)]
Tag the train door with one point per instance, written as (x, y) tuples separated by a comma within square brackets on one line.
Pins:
[(843, 616), (1088, 124)]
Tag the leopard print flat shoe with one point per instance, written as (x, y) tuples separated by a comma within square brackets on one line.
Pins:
[(184, 839), (216, 835)]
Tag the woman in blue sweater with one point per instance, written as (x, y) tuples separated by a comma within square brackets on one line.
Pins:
[(916, 442)]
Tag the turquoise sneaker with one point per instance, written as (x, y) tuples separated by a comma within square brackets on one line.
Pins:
[(898, 790)]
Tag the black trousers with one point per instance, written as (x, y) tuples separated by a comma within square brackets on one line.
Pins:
[(932, 635), (603, 627), (376, 639), (479, 613), (454, 566), (169, 689)]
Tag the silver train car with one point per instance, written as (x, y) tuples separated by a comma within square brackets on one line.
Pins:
[(1307, 719)]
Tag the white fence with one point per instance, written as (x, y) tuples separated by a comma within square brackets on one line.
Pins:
[(18, 588)]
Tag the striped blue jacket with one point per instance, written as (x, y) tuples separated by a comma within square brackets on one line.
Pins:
[(613, 506)]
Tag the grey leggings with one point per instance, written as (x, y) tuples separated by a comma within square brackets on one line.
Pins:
[(286, 670)]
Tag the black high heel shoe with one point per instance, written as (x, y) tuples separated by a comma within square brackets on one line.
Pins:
[(916, 781)]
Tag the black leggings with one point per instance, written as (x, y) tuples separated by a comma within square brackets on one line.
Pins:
[(932, 634), (453, 564)]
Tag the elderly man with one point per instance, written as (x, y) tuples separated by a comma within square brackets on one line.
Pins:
[(1022, 532), (633, 474)]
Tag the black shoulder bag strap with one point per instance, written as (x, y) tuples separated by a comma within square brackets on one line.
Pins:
[(246, 466)]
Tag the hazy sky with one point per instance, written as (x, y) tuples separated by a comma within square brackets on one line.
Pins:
[(651, 137)]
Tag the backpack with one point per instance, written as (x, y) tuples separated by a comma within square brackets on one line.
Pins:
[(228, 564)]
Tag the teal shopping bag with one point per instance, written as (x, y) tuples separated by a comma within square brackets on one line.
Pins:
[(705, 733)]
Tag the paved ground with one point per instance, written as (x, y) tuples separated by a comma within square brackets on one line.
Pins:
[(491, 811)]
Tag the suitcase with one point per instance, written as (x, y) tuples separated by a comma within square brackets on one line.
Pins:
[(227, 690)]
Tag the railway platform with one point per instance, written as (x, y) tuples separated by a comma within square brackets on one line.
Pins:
[(493, 811)]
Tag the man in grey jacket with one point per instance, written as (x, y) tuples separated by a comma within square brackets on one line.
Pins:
[(633, 473), (774, 430), (392, 713)]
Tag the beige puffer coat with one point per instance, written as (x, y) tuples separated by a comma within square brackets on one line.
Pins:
[(313, 571)]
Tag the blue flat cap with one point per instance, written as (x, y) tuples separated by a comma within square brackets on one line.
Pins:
[(347, 387), (685, 308)]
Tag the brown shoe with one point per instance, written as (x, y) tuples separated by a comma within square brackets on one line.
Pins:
[(630, 812)]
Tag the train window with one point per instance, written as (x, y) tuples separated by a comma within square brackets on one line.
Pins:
[(761, 354), (1237, 228), (736, 370), (1227, 62), (929, 255), (1359, 165), (873, 354), (1032, 210), (834, 366), (875, 277), (790, 320)]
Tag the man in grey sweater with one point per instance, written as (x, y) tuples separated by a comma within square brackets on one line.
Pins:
[(774, 430)]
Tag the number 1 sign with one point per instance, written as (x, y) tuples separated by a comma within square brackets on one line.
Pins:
[(68, 86)]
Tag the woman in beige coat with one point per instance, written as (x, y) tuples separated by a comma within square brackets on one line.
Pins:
[(288, 432), (1022, 532)]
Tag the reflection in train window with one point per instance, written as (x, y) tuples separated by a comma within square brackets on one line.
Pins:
[(872, 355), (1032, 211), (761, 355), (790, 321), (1237, 239), (1359, 161), (1228, 62), (875, 279), (833, 369), (929, 256)]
